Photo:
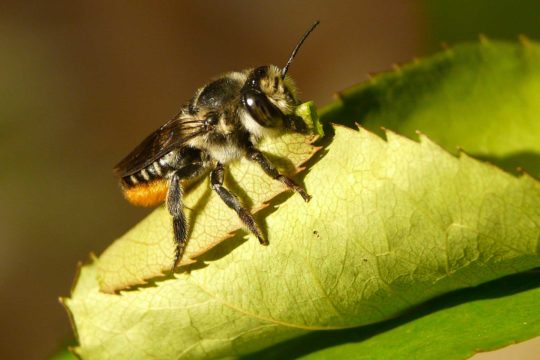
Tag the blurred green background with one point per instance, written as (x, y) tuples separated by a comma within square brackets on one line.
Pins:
[(81, 83)]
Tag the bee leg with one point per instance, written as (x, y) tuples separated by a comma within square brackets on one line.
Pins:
[(216, 179), (176, 207), (257, 156)]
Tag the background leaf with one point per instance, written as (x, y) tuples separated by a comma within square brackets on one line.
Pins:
[(484, 98)]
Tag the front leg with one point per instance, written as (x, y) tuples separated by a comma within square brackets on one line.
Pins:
[(257, 156), (216, 179)]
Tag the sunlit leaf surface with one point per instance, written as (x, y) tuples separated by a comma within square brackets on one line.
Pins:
[(393, 222)]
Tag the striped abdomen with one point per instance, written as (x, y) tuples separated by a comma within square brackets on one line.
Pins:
[(149, 186)]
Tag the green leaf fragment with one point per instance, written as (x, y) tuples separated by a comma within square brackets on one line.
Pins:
[(391, 224)]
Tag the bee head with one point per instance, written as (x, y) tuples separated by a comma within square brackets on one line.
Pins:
[(269, 96)]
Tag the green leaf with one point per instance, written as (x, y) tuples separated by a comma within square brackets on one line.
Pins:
[(455, 326), (484, 98), (147, 251), (391, 224)]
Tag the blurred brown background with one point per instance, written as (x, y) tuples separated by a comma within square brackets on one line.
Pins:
[(82, 82)]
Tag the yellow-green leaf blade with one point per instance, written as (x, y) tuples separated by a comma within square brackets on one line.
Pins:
[(391, 225)]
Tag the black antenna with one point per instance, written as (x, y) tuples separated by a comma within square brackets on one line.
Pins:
[(297, 47)]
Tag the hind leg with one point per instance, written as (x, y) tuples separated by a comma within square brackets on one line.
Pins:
[(175, 206)]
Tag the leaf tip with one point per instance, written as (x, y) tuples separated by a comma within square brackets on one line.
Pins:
[(422, 137), (391, 136), (359, 127)]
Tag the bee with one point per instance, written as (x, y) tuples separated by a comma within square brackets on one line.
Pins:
[(223, 122)]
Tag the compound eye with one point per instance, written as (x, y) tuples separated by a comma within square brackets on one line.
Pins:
[(261, 109)]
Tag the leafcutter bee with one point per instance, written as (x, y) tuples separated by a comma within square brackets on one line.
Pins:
[(223, 122)]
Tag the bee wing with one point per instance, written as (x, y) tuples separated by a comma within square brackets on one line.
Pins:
[(162, 141)]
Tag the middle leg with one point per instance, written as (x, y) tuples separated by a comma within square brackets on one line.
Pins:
[(216, 179)]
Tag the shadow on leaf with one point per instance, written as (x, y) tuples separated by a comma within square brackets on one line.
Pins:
[(319, 340), (528, 161)]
